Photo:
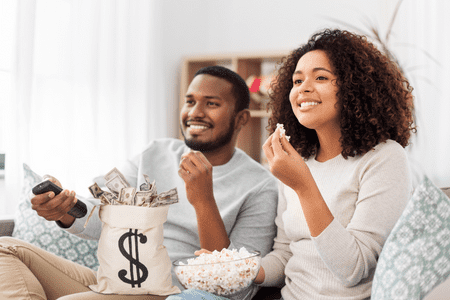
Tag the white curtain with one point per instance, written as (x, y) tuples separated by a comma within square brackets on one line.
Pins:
[(422, 44), (83, 87)]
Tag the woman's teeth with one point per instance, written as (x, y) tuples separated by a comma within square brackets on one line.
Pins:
[(303, 104)]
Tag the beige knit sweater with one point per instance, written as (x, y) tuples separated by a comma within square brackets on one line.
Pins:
[(366, 195)]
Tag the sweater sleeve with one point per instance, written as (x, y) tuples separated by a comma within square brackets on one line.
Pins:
[(351, 252), (275, 262), (93, 227)]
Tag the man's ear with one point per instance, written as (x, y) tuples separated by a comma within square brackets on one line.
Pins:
[(242, 119)]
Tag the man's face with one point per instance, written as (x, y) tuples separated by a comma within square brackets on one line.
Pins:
[(208, 114)]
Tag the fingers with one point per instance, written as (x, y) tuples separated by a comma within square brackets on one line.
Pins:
[(186, 167), (281, 145), (198, 159), (201, 251), (287, 147), (276, 144), (267, 148), (202, 158), (193, 162), (187, 164), (37, 200), (52, 179), (53, 207)]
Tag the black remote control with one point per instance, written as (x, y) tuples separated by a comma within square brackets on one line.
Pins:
[(78, 211)]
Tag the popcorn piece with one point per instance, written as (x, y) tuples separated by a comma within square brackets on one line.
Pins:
[(282, 131), (220, 273)]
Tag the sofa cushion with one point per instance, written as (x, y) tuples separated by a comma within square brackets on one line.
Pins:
[(446, 190), (48, 235), (416, 255)]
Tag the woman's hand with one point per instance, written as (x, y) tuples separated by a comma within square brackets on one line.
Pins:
[(260, 276), (284, 161), (288, 166)]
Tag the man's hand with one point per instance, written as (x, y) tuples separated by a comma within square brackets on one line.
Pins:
[(55, 207), (196, 171), (202, 251)]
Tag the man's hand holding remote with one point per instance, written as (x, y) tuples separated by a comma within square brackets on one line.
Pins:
[(54, 206)]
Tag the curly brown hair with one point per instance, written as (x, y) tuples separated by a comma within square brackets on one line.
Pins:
[(375, 96)]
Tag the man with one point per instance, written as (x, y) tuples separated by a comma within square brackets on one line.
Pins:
[(226, 199)]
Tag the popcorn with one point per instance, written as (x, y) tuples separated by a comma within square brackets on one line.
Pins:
[(283, 131), (220, 273)]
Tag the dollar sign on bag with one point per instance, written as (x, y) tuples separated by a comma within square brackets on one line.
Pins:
[(134, 262)]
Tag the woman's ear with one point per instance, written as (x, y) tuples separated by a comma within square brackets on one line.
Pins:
[(242, 119)]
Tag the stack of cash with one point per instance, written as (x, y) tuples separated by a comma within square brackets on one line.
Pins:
[(121, 193)]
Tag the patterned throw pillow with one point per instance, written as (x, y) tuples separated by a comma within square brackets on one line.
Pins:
[(416, 256), (47, 235)]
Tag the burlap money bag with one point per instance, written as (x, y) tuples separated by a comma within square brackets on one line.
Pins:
[(131, 254)]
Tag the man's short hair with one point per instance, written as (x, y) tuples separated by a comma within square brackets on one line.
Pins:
[(240, 89)]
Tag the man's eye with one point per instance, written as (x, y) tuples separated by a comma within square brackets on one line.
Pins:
[(213, 104), (188, 101)]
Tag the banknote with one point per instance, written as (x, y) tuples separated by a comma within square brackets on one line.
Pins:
[(148, 185), (113, 173), (95, 190), (116, 183), (144, 197), (127, 195), (108, 198), (121, 193), (166, 198), (153, 188), (104, 200), (147, 178), (144, 187)]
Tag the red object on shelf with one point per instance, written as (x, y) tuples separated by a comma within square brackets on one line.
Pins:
[(254, 88)]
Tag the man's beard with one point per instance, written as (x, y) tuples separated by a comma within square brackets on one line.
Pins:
[(219, 142)]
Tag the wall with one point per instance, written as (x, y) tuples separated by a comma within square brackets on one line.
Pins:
[(190, 27)]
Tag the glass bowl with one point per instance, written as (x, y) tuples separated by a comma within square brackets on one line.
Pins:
[(223, 275)]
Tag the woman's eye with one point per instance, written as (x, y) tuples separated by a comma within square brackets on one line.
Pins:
[(298, 81), (189, 101), (322, 78)]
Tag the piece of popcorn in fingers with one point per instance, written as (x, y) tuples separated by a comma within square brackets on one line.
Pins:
[(283, 131)]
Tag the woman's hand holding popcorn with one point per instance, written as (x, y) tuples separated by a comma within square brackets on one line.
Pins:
[(285, 162)]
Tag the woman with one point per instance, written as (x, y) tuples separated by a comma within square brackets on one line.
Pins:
[(344, 177)]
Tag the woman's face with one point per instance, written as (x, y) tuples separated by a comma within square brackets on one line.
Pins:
[(313, 95)]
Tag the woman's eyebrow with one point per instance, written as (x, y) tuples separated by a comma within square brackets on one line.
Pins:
[(314, 70)]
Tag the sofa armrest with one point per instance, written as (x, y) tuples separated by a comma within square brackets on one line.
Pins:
[(446, 190), (6, 226)]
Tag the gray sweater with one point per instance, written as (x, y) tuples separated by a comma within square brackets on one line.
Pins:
[(245, 192), (366, 195)]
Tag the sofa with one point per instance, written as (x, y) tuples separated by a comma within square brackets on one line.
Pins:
[(426, 202)]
